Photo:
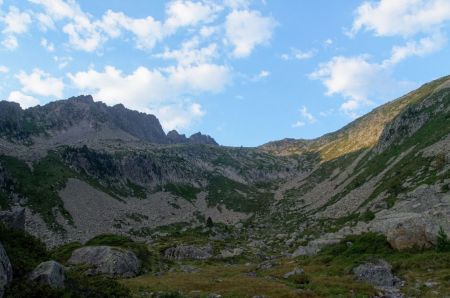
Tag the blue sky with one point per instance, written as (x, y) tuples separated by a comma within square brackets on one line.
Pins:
[(244, 71)]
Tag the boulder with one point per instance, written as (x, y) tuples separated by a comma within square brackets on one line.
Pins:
[(410, 233), (377, 273), (5, 271), (227, 253), (14, 218), (188, 252), (49, 273), (107, 260)]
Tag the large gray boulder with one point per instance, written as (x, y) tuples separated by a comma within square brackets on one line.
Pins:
[(49, 273), (14, 218), (107, 260), (188, 252), (5, 271)]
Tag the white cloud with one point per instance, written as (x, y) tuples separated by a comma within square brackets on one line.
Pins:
[(298, 124), (147, 31), (401, 17), (189, 53), (261, 75), (25, 101), (237, 4), (162, 92), (423, 47), (299, 54), (4, 69), (307, 115), (10, 42), (50, 47), (245, 29), (356, 79), (40, 83), (180, 115), (182, 13), (16, 22), (62, 61)]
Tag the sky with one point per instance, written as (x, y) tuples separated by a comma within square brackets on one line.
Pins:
[(243, 71)]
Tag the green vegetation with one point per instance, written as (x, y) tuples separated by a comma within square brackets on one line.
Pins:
[(26, 252), (443, 244), (184, 191), (40, 185), (236, 196)]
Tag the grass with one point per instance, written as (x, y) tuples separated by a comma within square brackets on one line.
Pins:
[(236, 196)]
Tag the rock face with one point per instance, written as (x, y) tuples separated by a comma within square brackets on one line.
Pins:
[(14, 218), (5, 270), (378, 274), (49, 273), (107, 260), (188, 252), (175, 138)]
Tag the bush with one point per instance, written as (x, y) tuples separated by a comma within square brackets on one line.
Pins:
[(443, 244), (369, 243), (24, 251)]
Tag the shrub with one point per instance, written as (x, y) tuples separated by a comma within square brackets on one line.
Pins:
[(369, 243), (443, 244)]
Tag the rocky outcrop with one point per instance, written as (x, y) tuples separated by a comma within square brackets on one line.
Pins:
[(175, 138), (188, 252), (379, 274), (107, 260), (49, 273), (5, 271), (14, 218)]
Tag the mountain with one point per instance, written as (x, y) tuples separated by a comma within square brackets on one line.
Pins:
[(82, 169), (80, 119)]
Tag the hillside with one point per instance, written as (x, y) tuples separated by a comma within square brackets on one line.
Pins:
[(82, 169)]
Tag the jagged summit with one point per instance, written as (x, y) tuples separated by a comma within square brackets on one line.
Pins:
[(80, 117)]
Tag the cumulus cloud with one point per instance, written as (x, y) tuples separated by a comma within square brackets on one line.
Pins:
[(245, 29), (182, 13), (357, 79), (191, 53), (25, 101), (40, 83), (4, 69), (162, 92), (401, 17), (16, 22)]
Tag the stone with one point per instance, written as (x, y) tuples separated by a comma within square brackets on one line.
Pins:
[(410, 233), (377, 273), (107, 260), (189, 269), (5, 271), (188, 252), (49, 273), (296, 271), (14, 218), (226, 253)]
